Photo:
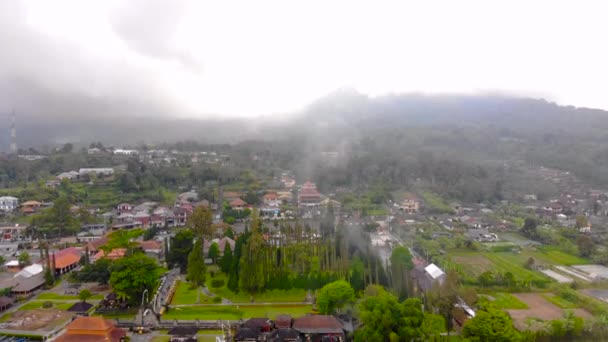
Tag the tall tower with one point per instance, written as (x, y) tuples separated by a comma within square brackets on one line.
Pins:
[(13, 136)]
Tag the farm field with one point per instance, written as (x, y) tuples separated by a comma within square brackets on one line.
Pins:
[(235, 312), (539, 308), (480, 262)]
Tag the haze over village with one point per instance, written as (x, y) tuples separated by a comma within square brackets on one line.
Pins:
[(304, 172)]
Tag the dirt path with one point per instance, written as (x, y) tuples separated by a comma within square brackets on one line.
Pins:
[(539, 307)]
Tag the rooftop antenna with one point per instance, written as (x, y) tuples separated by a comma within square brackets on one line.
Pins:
[(13, 135)]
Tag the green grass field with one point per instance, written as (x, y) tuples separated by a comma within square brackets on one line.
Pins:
[(54, 296), (37, 304), (235, 312), (508, 301)]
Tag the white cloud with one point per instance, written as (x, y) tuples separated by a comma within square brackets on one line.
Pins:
[(261, 57)]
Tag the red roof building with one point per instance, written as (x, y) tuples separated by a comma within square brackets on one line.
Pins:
[(238, 204), (92, 329), (308, 195)]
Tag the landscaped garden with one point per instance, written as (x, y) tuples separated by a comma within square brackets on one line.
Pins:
[(235, 312)]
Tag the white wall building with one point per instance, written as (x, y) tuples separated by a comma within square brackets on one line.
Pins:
[(8, 203), (102, 171)]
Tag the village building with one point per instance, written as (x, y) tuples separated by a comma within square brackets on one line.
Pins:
[(8, 204), (238, 204), (6, 303), (92, 329), (99, 172), (317, 328), (66, 260), (221, 243), (114, 254), (13, 266), (30, 271), (25, 285), (14, 232), (70, 176), (308, 195), (30, 207), (124, 207), (425, 277)]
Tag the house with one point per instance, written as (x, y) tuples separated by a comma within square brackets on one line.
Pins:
[(152, 248), (8, 203), (92, 329), (189, 196), (426, 277), (238, 204), (122, 207), (53, 183), (308, 195), (284, 335), (221, 243), (283, 322), (13, 266), (482, 235), (183, 334), (30, 207), (70, 175), (247, 335), (317, 328), (181, 215), (271, 199), (30, 271), (123, 152), (114, 254), (94, 150), (99, 172), (94, 246), (410, 205), (259, 324), (230, 195), (24, 286), (6, 302), (65, 262), (288, 182), (12, 233)]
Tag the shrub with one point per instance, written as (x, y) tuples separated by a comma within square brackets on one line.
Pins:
[(47, 305), (217, 283), (217, 299)]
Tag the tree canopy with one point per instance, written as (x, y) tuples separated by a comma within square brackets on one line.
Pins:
[(196, 268), (335, 296), (133, 274), (384, 318), (490, 324)]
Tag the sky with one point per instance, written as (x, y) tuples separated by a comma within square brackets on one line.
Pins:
[(247, 58)]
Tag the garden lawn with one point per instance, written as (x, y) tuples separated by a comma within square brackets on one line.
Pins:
[(37, 304), (54, 296), (185, 295), (235, 312), (508, 301)]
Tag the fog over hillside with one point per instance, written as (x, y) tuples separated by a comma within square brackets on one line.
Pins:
[(50, 118)]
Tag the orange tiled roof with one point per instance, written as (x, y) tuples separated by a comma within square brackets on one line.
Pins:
[(66, 260), (150, 244), (91, 329), (114, 254)]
